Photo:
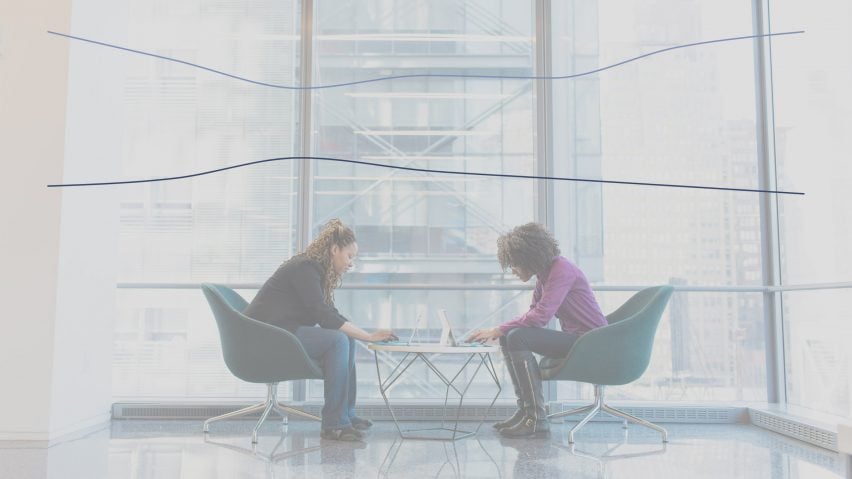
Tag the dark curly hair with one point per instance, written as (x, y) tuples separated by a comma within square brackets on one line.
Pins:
[(333, 233), (528, 246)]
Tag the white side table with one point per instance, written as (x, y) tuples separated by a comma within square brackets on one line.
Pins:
[(421, 351)]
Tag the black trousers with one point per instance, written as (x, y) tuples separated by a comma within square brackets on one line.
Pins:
[(546, 342)]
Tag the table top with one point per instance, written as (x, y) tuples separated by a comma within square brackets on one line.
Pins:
[(468, 348)]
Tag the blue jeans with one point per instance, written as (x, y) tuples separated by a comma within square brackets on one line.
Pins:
[(335, 352)]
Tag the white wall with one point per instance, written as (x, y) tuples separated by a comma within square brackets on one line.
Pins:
[(56, 247)]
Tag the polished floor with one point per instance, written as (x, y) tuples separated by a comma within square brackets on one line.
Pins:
[(178, 449)]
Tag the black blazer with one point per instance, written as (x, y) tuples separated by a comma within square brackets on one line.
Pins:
[(293, 297)]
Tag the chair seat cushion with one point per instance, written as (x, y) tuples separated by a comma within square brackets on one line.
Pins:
[(550, 367)]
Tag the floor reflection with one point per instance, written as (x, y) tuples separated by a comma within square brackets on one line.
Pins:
[(455, 463), (602, 454), (178, 449), (295, 449)]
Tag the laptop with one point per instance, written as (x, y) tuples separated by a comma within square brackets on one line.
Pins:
[(410, 341), (447, 337)]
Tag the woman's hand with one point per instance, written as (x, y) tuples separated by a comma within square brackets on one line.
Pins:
[(483, 335), (382, 335), (353, 331)]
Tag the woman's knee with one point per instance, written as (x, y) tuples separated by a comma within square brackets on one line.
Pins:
[(339, 345), (341, 340), (516, 340), (513, 338)]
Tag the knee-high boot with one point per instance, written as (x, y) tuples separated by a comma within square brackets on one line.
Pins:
[(513, 375), (534, 423)]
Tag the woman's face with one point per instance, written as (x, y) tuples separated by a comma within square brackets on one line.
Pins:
[(522, 273), (343, 258)]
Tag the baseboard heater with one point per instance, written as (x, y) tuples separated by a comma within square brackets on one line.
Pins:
[(429, 412), (796, 428)]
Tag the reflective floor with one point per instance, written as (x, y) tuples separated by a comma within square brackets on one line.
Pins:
[(178, 449)]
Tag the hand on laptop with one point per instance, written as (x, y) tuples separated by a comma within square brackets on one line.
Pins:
[(483, 335), (383, 335)]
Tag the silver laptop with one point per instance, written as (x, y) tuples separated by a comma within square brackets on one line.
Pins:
[(410, 340), (447, 336)]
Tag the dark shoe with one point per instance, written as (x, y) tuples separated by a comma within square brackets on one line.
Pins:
[(361, 423), (529, 426), (516, 418), (344, 434)]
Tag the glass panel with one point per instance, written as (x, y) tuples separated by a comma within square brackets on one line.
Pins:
[(709, 347), (817, 333), (813, 118), (173, 119), (811, 75), (167, 347), (685, 116), (229, 226), (421, 227)]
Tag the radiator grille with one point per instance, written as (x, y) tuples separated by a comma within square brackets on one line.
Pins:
[(796, 429), (414, 412), (404, 412), (684, 414)]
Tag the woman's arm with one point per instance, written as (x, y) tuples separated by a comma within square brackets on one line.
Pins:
[(307, 281), (355, 332), (553, 293), (308, 284)]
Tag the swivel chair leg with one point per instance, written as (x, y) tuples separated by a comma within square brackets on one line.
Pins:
[(240, 412), (287, 410), (270, 404), (263, 416), (598, 406), (570, 412), (636, 420), (595, 408)]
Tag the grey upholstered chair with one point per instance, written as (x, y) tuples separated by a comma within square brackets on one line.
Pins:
[(613, 355), (257, 352)]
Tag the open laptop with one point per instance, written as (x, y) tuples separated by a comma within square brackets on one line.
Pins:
[(410, 340), (447, 337)]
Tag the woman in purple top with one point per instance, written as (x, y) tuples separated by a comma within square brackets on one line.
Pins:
[(561, 290)]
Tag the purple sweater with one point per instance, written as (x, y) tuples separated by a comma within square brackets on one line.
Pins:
[(563, 291)]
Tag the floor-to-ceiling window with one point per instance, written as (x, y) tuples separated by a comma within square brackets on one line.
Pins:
[(685, 116), (813, 121), (424, 228), (234, 227)]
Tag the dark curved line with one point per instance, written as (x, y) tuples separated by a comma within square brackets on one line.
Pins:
[(424, 75), (425, 170)]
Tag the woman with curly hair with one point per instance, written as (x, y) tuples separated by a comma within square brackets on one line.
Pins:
[(299, 297), (561, 290)]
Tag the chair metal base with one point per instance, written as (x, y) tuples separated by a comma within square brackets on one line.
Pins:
[(271, 404), (599, 406)]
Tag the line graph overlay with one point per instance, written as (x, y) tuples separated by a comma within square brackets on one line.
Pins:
[(424, 170), (421, 75)]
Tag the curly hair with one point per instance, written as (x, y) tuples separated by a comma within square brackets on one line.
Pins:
[(333, 233), (528, 246)]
